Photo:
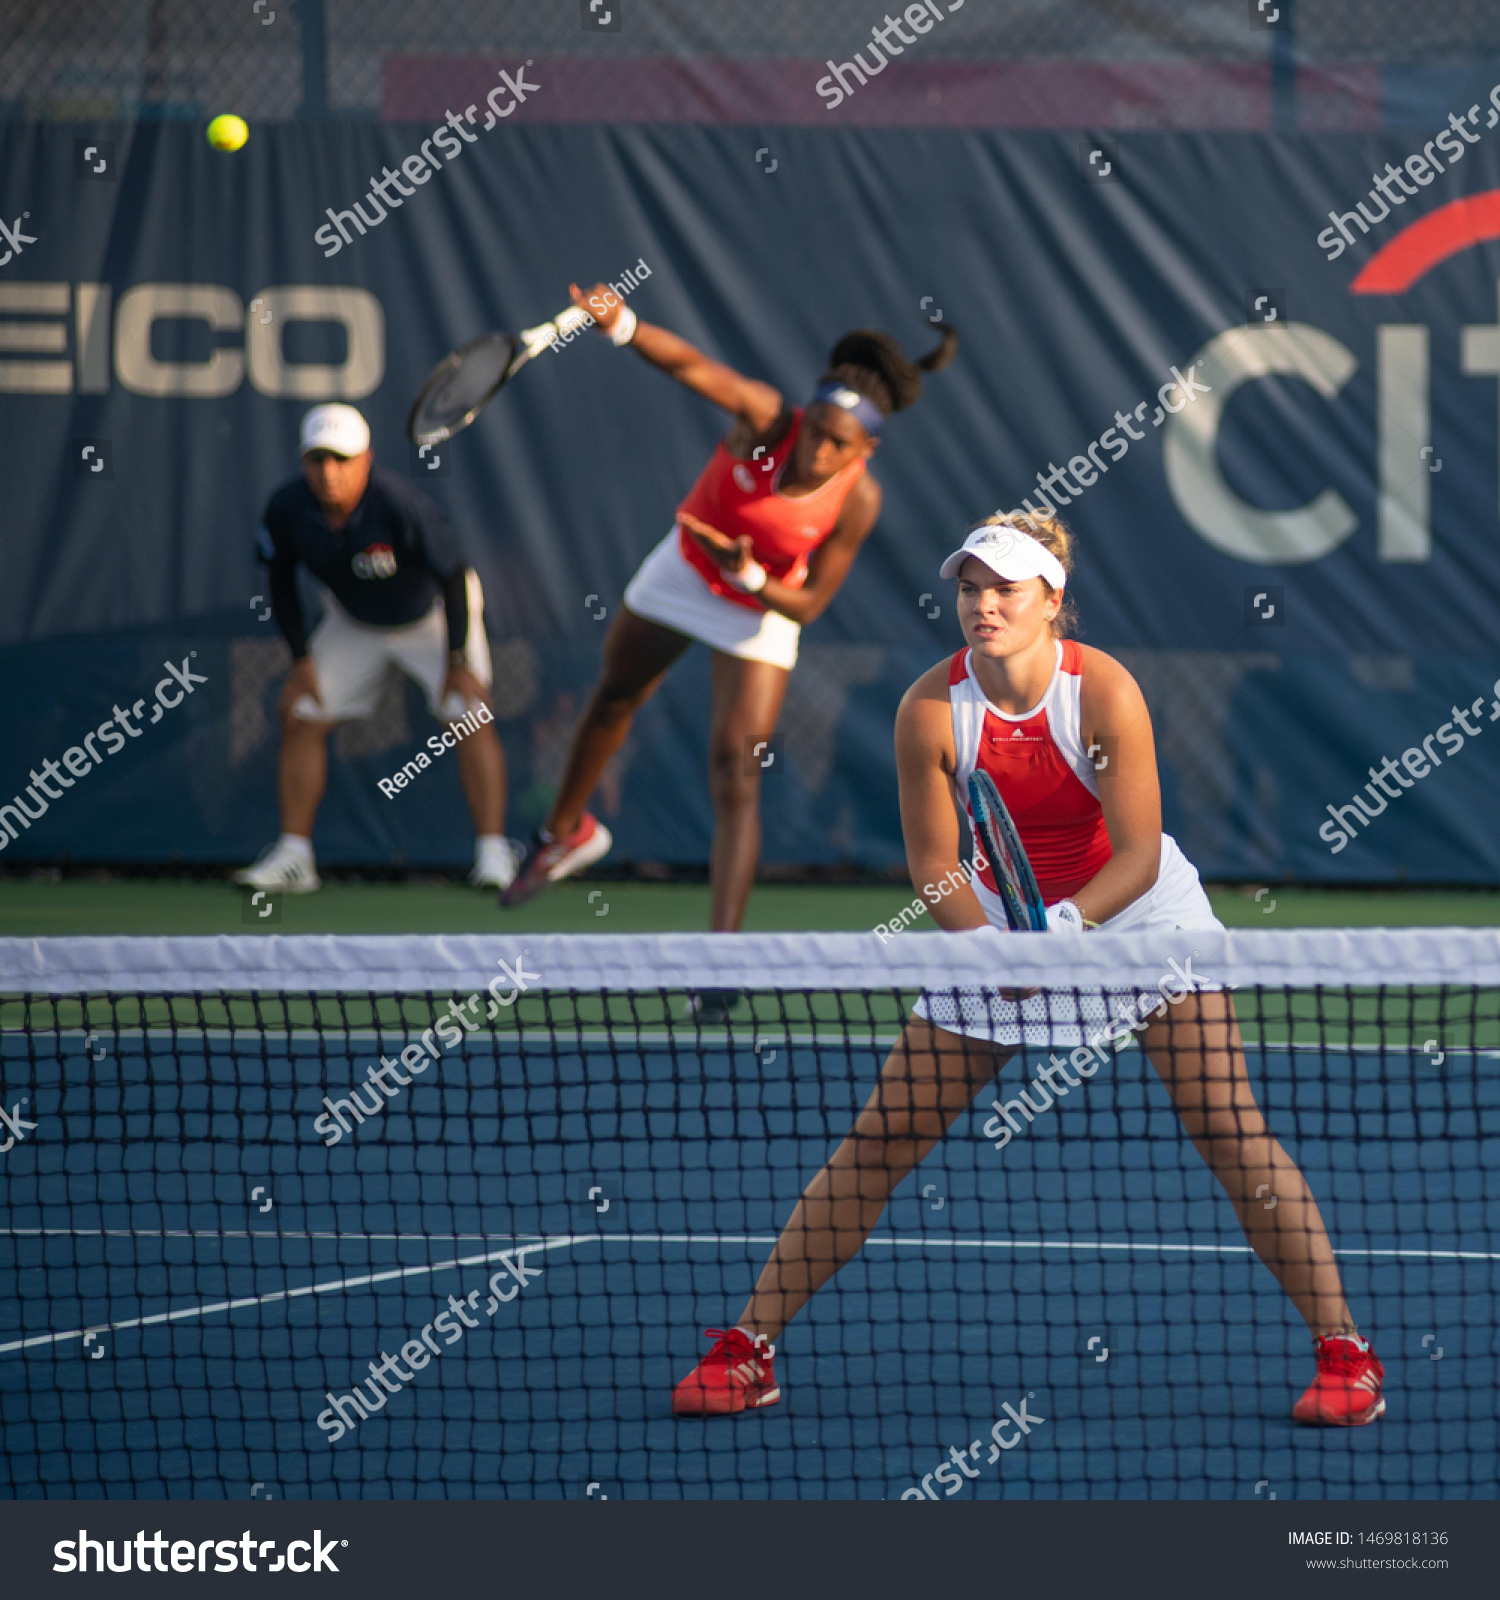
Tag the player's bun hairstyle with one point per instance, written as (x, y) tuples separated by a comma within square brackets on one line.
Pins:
[(1051, 532), (873, 364)]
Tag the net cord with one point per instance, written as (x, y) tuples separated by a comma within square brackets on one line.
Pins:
[(413, 964)]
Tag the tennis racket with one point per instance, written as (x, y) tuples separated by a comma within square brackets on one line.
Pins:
[(996, 836), (462, 384)]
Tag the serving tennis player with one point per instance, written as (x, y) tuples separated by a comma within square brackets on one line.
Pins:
[(395, 591), (1037, 711), (760, 546)]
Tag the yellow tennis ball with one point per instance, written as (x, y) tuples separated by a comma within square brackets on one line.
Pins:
[(228, 132)]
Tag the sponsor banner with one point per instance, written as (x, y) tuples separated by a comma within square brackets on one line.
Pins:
[(1257, 377)]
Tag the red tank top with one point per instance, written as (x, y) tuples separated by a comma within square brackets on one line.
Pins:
[(1044, 775), (741, 497)]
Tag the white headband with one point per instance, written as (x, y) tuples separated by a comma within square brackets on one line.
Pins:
[(1009, 553)]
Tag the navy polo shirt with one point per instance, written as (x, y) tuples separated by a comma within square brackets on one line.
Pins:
[(385, 566)]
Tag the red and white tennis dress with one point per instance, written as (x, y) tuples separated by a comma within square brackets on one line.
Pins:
[(681, 587), (1050, 786)]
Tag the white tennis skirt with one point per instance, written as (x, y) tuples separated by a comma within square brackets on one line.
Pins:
[(666, 589), (1066, 1018)]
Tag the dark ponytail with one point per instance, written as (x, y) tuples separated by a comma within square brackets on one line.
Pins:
[(873, 364)]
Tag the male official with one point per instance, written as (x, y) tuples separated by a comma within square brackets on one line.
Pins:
[(395, 590)]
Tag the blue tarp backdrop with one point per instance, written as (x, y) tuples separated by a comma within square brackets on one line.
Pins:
[(1302, 565)]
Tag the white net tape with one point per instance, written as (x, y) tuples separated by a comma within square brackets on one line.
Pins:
[(410, 964)]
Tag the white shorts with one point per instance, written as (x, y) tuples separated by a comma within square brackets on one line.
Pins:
[(1065, 1018), (666, 589), (351, 659)]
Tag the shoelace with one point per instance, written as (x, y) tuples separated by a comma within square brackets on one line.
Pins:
[(1341, 1355), (724, 1340), (731, 1346)]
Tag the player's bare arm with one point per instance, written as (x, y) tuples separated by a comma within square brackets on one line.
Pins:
[(1117, 730), (925, 767), (756, 406)]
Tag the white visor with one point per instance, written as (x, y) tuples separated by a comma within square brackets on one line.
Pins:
[(1008, 553)]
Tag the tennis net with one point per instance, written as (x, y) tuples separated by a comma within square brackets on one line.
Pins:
[(447, 1217)]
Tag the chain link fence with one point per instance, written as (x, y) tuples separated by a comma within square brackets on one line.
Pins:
[(269, 60)]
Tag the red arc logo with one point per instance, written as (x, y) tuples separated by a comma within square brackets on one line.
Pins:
[(1423, 244)]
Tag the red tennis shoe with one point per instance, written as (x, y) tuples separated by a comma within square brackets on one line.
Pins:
[(1346, 1391), (548, 863), (736, 1375)]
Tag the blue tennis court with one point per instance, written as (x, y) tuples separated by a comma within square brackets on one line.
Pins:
[(188, 1275)]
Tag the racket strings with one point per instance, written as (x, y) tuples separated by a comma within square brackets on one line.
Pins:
[(1000, 842), (461, 386)]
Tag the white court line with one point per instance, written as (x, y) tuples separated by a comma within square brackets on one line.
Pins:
[(267, 1299), (1016, 1244), (567, 1241), (240, 1233)]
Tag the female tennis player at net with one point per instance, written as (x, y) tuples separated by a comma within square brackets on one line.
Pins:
[(1035, 710), (761, 544)]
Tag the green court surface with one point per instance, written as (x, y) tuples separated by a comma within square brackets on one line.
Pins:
[(32, 907)]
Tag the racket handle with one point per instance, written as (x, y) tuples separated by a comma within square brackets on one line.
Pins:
[(538, 338), (572, 319)]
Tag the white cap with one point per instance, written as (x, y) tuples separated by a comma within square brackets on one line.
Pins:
[(340, 429), (1008, 553)]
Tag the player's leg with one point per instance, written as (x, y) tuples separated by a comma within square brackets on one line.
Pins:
[(637, 654), (1197, 1051), (481, 760), (481, 771), (420, 649), (747, 704), (928, 1079), (347, 661), (302, 774)]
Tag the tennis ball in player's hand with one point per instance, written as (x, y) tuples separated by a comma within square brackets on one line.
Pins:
[(228, 132)]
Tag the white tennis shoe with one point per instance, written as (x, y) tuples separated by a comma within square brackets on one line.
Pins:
[(281, 866), (496, 862)]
